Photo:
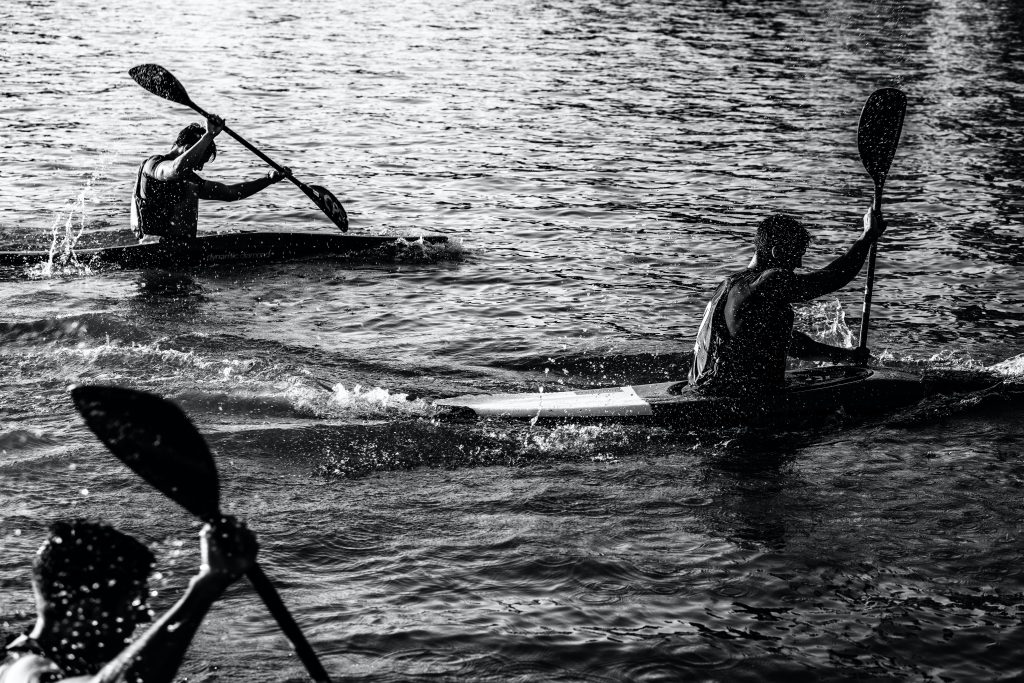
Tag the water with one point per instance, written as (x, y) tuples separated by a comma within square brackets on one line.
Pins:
[(599, 166)]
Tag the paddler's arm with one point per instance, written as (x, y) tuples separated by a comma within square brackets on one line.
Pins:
[(839, 273), (191, 158), (804, 347), (228, 551), (231, 193)]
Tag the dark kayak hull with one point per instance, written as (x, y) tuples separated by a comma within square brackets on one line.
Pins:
[(809, 394), (231, 249)]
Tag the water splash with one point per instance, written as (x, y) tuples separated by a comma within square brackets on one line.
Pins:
[(347, 452), (373, 401), (577, 439), (68, 226), (826, 322), (1011, 368), (951, 359), (415, 249)]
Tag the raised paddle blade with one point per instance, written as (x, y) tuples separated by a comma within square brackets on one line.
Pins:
[(330, 205), (878, 134), (154, 438), (161, 83)]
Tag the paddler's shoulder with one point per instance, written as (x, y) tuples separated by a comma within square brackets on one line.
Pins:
[(772, 281), (770, 277), (152, 162), (167, 175)]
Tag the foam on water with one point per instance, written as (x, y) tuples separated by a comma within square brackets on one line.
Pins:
[(1011, 368), (367, 401), (415, 249), (956, 359), (575, 439)]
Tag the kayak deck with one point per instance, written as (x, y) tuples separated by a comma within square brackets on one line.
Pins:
[(231, 248), (808, 392)]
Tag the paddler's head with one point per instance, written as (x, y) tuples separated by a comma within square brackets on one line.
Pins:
[(189, 136), (781, 241), (91, 585)]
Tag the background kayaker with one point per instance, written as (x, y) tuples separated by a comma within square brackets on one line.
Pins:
[(165, 203), (90, 583), (747, 331)]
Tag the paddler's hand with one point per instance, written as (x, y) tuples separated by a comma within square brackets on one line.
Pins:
[(277, 176), (874, 226), (214, 125), (228, 550)]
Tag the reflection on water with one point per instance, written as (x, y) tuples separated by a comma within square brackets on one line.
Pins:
[(603, 164)]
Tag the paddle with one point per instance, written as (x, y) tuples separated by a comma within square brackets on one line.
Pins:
[(162, 83), (878, 134), (154, 438)]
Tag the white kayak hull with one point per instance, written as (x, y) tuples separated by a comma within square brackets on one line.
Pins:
[(809, 392)]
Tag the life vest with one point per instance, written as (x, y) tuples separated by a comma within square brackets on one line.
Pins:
[(166, 208), (754, 360)]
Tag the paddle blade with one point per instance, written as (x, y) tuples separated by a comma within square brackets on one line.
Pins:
[(330, 205), (154, 438), (161, 83), (878, 134)]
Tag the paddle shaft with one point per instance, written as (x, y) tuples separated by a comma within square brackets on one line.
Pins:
[(866, 310), (249, 146), (284, 619)]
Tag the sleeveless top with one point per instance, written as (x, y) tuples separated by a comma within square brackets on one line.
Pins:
[(166, 208), (753, 362)]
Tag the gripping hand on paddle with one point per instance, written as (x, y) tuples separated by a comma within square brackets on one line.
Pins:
[(874, 225), (228, 551), (214, 125), (277, 176)]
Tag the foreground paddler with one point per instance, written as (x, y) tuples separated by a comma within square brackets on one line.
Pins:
[(158, 442), (165, 203), (747, 331), (91, 583)]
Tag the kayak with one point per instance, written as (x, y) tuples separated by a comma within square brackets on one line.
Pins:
[(809, 393), (231, 248)]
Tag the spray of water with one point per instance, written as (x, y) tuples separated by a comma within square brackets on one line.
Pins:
[(68, 226), (826, 321)]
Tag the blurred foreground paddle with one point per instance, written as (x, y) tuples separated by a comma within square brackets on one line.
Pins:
[(162, 83), (154, 438), (881, 122)]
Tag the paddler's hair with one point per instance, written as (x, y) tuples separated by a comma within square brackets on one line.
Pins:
[(190, 135), (780, 230), (82, 560)]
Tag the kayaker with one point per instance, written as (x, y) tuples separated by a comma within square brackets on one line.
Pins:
[(91, 583), (747, 331), (165, 203)]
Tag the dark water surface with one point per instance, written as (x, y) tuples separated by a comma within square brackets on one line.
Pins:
[(598, 167)]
